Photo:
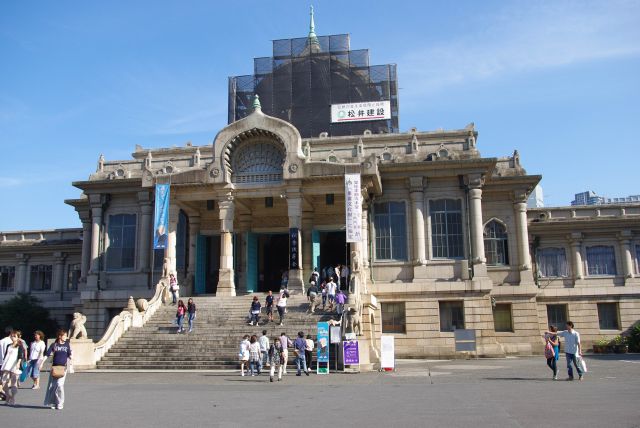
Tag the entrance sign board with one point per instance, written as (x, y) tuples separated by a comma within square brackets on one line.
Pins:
[(387, 352), (323, 347), (335, 334), (353, 207), (350, 352), (293, 248), (465, 340)]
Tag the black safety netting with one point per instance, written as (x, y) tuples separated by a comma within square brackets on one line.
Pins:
[(305, 76)]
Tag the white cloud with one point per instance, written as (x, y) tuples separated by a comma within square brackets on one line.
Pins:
[(530, 36), (10, 182)]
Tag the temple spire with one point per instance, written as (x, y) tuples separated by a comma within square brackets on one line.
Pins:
[(256, 103), (313, 38)]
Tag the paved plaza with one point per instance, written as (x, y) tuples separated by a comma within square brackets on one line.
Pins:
[(513, 392)]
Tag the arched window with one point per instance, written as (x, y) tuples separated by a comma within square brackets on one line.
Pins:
[(257, 162), (496, 248)]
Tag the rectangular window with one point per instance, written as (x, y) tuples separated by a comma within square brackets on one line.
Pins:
[(557, 316), (552, 262), (601, 260), (390, 230), (122, 242), (393, 317), (40, 277), (7, 278), (446, 228), (451, 315), (608, 316), (73, 276), (502, 320)]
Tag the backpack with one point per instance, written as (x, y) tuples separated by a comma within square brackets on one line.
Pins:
[(549, 352)]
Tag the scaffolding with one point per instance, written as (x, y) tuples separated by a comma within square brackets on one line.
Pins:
[(305, 76)]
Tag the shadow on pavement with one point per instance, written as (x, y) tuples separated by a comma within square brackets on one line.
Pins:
[(613, 357), (533, 379)]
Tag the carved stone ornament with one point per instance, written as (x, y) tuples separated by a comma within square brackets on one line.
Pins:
[(367, 165), (77, 329), (214, 172), (293, 168)]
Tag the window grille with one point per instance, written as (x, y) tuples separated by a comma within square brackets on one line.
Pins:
[(7, 278), (496, 248), (552, 262), (257, 162), (41, 277), (390, 230), (601, 260), (122, 242), (446, 228)]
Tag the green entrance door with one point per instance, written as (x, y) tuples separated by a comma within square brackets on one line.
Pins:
[(252, 262)]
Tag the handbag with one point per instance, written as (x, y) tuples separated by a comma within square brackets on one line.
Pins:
[(548, 351), (582, 364), (58, 371)]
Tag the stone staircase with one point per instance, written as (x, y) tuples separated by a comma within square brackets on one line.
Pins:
[(214, 343)]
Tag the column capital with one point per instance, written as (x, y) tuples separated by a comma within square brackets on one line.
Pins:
[(144, 197), (416, 184), (22, 258), (474, 181), (96, 199), (520, 197), (625, 235), (520, 206), (575, 238), (59, 257)]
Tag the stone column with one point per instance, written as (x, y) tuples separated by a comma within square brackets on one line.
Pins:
[(96, 225), (170, 251), (475, 213), (22, 274), (294, 209), (522, 230), (144, 247), (416, 192), (85, 262), (226, 282), (624, 239), (575, 240), (307, 241), (194, 231), (57, 280)]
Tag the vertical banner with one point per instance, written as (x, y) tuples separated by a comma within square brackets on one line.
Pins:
[(350, 352), (387, 353), (353, 207), (161, 217), (293, 248), (323, 346)]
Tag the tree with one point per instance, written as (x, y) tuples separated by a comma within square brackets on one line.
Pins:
[(24, 312)]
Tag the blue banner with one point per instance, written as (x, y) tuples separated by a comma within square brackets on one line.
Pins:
[(161, 217), (323, 342)]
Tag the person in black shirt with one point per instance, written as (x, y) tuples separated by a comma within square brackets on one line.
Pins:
[(268, 304), (61, 350), (255, 311)]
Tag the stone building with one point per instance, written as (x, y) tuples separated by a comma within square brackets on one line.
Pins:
[(447, 239)]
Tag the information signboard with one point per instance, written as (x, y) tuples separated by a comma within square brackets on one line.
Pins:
[(387, 353)]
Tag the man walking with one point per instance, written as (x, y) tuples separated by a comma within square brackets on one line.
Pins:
[(312, 294), (264, 349), (285, 343), (299, 347), (340, 301), (331, 291), (572, 349), (268, 304)]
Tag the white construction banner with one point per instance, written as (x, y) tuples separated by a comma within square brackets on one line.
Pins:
[(353, 207), (387, 353), (359, 112)]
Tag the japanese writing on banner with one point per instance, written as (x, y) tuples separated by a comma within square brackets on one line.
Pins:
[(353, 207), (293, 248), (359, 112), (350, 352), (161, 217)]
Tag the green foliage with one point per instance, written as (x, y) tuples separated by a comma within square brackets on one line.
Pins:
[(619, 340), (24, 312), (602, 342), (634, 338)]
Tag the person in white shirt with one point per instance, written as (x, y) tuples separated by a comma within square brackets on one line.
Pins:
[(13, 356), (331, 291), (282, 305), (572, 349), (36, 358), (244, 353), (6, 341), (264, 349)]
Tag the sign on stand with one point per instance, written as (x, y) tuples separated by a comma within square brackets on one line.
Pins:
[(387, 353), (323, 348), (465, 340), (336, 340), (351, 355)]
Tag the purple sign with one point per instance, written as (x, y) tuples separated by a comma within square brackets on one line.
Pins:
[(350, 352)]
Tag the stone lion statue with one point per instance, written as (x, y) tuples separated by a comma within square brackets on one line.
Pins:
[(353, 321), (142, 305), (77, 328)]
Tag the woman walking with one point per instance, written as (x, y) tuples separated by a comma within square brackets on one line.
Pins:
[(244, 353), (61, 350), (254, 356), (275, 359), (182, 309), (36, 357), (174, 288), (255, 310), (308, 351), (191, 309), (282, 306), (13, 356), (552, 350)]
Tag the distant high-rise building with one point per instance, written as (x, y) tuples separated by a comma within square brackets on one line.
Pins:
[(591, 198), (536, 198), (318, 84)]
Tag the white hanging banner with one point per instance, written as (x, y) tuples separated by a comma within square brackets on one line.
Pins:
[(353, 207), (387, 353)]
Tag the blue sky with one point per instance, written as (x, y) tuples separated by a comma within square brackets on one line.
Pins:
[(557, 80)]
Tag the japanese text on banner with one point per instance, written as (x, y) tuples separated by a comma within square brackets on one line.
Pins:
[(353, 207)]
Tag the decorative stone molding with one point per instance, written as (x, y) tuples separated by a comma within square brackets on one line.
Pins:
[(293, 168), (215, 172)]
